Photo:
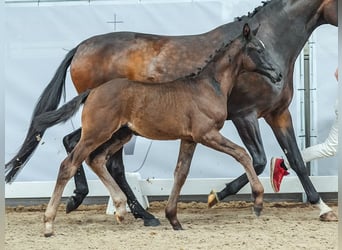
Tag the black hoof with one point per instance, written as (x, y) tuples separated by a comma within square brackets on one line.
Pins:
[(151, 222), (74, 202), (177, 227)]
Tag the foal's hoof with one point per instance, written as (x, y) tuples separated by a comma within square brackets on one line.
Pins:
[(329, 216), (257, 210), (48, 234), (73, 203), (212, 199), (48, 229), (151, 222), (119, 218)]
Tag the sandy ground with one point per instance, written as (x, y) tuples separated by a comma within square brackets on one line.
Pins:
[(226, 226)]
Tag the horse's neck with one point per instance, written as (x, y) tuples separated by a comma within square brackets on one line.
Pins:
[(287, 29), (222, 70)]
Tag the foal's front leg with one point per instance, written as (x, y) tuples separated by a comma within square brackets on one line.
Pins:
[(248, 128), (186, 153), (215, 140)]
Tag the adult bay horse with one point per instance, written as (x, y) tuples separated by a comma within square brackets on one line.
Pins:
[(286, 26), (196, 111)]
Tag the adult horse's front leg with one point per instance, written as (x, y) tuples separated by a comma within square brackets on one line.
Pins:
[(282, 127), (248, 128), (81, 185), (186, 152), (116, 168)]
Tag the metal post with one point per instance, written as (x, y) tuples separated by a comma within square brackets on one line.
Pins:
[(307, 109), (307, 99)]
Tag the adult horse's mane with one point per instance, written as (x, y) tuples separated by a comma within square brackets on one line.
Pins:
[(251, 14), (224, 45)]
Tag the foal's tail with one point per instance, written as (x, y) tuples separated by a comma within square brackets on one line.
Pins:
[(48, 101)]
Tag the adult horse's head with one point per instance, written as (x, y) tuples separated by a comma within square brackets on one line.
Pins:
[(328, 12), (257, 58), (324, 12)]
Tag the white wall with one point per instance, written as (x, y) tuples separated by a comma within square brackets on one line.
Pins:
[(37, 38)]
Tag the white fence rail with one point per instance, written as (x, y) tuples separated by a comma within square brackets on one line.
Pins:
[(161, 187)]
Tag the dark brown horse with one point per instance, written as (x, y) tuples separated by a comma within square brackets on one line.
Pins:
[(196, 111), (286, 26)]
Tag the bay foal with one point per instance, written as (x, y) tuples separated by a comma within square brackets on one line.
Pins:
[(193, 109)]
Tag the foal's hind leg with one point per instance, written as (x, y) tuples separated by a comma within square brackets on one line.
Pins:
[(66, 171), (186, 153), (81, 185), (97, 162), (117, 170), (215, 140)]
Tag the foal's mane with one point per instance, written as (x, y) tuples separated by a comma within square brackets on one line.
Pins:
[(211, 58)]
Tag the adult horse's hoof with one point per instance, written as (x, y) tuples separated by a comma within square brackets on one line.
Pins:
[(151, 222), (74, 202), (329, 216), (212, 199), (177, 227)]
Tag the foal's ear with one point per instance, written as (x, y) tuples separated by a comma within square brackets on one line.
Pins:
[(246, 31), (255, 31)]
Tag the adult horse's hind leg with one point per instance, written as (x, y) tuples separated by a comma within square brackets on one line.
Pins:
[(81, 185), (284, 132), (248, 128), (116, 168), (215, 140), (186, 152)]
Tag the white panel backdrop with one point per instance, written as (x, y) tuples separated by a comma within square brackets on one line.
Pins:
[(38, 37)]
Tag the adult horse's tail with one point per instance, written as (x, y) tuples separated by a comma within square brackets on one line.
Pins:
[(48, 101)]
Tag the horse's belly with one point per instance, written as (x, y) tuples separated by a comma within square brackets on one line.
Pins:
[(159, 130)]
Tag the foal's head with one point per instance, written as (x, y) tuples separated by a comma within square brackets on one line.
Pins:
[(254, 57)]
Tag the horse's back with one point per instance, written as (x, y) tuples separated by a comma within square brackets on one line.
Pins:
[(142, 57)]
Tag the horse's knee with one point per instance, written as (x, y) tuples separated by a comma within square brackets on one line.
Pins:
[(259, 168), (243, 157), (65, 172)]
